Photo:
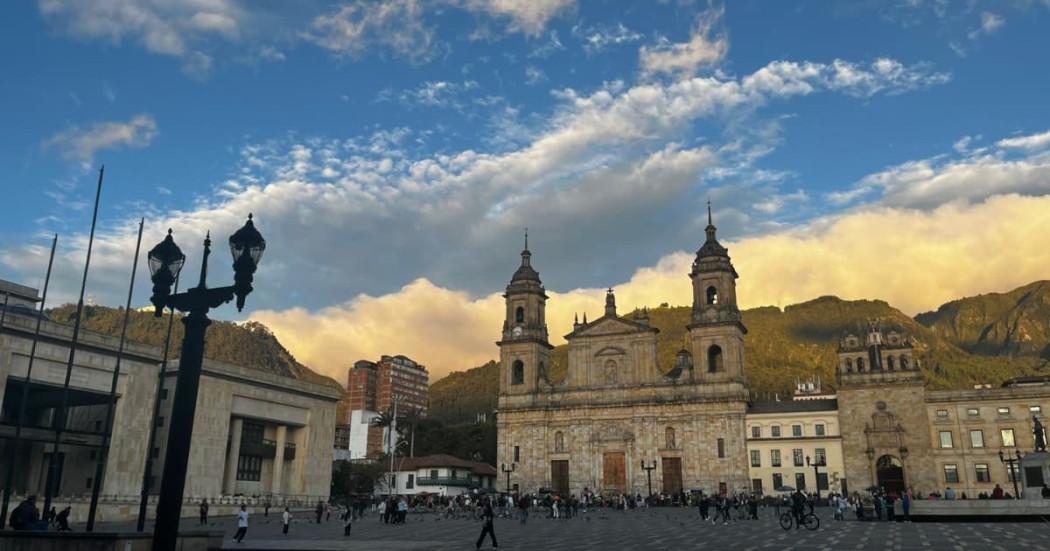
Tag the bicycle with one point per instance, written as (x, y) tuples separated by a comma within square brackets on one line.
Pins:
[(809, 520)]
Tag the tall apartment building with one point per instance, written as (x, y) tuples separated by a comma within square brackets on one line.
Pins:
[(371, 388)]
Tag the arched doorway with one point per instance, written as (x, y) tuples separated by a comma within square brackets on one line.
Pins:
[(890, 473)]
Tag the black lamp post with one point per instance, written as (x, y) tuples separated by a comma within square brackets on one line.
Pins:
[(816, 473), (165, 262), (1011, 470), (507, 472), (649, 474)]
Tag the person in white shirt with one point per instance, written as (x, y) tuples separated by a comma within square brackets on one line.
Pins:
[(242, 524), (286, 519)]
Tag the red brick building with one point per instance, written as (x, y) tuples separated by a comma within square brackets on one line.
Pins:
[(370, 388)]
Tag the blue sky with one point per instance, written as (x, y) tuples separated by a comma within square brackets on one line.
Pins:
[(381, 145)]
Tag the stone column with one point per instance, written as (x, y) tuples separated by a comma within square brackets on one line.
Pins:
[(278, 461), (229, 483)]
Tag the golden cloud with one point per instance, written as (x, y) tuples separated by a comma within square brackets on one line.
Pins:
[(915, 260)]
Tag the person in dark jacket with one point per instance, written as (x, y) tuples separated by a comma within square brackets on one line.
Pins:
[(26, 516), (487, 515)]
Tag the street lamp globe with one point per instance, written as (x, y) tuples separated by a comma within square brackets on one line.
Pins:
[(165, 263), (247, 246)]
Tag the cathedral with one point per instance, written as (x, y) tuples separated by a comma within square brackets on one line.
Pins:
[(618, 422)]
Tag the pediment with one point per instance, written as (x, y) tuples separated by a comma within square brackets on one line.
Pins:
[(610, 326)]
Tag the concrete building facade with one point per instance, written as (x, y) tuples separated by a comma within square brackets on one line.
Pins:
[(285, 426), (784, 441)]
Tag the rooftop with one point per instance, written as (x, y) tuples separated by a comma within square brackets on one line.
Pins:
[(445, 460), (794, 406)]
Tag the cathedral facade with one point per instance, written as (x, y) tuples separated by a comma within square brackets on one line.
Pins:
[(617, 420)]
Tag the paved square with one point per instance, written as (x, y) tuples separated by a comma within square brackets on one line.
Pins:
[(662, 528)]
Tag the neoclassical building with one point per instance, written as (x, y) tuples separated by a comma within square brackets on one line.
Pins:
[(616, 409)]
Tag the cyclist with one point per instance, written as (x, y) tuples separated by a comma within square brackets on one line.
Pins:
[(798, 503)]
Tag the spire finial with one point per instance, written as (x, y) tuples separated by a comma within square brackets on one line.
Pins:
[(526, 238), (709, 222)]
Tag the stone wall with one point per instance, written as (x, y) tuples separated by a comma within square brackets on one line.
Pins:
[(638, 430)]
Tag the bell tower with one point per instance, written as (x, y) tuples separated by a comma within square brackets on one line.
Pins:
[(716, 332), (524, 350)]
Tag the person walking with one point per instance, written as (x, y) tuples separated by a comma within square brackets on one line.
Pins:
[(319, 510), (328, 511), (242, 525), (286, 519), (381, 511), (704, 505), (906, 505), (523, 505), (347, 518), (487, 516), (204, 512), (62, 520)]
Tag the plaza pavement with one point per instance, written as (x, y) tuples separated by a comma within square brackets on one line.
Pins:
[(660, 528)]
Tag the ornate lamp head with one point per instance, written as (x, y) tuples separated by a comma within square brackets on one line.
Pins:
[(165, 263), (247, 246)]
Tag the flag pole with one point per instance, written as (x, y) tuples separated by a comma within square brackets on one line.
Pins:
[(12, 454), (54, 466), (107, 427), (147, 472)]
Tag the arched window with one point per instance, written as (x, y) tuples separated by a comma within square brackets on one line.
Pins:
[(559, 442), (890, 363), (714, 359), (517, 373), (849, 365), (712, 295), (669, 441), (904, 362), (860, 364), (519, 315)]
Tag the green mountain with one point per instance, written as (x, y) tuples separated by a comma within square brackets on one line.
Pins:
[(248, 344), (460, 396), (1015, 323), (800, 341)]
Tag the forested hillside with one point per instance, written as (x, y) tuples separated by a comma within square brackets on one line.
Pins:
[(248, 344), (1016, 323)]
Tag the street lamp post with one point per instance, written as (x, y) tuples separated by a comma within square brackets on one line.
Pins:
[(507, 472), (649, 474), (165, 262), (1011, 470), (816, 472)]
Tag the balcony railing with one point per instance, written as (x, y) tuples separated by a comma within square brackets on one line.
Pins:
[(446, 481), (289, 452)]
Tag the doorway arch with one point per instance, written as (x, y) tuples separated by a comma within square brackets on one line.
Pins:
[(890, 474)]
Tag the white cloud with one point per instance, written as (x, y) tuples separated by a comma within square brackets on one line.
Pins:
[(600, 37), (883, 75), (1034, 141), (548, 48), (396, 24), (980, 173), (990, 23), (174, 28), (534, 75), (529, 17), (82, 143), (705, 48), (439, 93)]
